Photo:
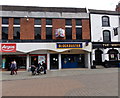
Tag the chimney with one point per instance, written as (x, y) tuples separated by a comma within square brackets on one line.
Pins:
[(118, 7)]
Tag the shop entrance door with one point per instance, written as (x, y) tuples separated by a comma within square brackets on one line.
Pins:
[(98, 57), (54, 61)]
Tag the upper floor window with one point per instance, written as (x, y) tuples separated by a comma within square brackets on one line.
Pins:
[(37, 21), (48, 21), (16, 21), (16, 34), (106, 36), (78, 22), (49, 33), (68, 22), (37, 31), (68, 29), (78, 29), (115, 31), (105, 21), (68, 33), (79, 33), (5, 33), (5, 20)]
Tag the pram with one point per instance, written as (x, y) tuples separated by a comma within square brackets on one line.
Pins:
[(36, 70)]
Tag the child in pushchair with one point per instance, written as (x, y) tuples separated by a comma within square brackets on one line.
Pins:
[(37, 70)]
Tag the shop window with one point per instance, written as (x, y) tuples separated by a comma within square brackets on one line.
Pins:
[(16, 33), (37, 31), (49, 33), (106, 36), (105, 21), (78, 33), (5, 33), (5, 20), (16, 21), (68, 33), (37, 21), (113, 54)]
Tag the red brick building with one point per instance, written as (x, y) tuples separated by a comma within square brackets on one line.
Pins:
[(59, 36)]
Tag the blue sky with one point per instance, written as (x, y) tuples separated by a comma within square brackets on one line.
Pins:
[(90, 4)]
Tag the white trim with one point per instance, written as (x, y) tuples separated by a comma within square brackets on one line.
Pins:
[(37, 25), (16, 25), (78, 26), (49, 26), (68, 26), (5, 25)]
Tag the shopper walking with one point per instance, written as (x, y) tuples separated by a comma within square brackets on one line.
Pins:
[(15, 70), (12, 67), (44, 66)]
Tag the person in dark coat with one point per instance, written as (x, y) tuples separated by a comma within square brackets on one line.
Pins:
[(44, 66), (34, 66), (12, 67)]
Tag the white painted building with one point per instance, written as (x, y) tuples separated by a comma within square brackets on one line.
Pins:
[(105, 37)]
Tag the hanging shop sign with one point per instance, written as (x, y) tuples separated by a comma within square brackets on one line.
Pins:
[(69, 45), (5, 47), (60, 32)]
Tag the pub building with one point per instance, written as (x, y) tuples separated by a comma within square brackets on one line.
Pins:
[(105, 38), (58, 36)]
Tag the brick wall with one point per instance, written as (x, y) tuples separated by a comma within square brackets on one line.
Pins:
[(57, 23), (73, 29), (43, 29), (27, 28), (10, 29), (85, 30)]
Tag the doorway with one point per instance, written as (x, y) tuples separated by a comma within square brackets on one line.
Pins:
[(54, 61), (98, 57)]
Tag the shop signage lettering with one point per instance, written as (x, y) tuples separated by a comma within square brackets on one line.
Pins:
[(69, 45), (106, 45), (8, 47), (112, 45)]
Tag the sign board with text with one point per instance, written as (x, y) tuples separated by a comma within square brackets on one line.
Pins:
[(69, 45), (7, 47)]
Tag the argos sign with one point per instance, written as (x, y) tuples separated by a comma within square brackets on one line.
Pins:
[(8, 47)]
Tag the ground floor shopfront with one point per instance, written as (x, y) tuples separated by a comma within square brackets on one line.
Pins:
[(76, 56), (106, 54)]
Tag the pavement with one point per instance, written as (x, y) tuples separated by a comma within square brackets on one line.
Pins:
[(65, 82)]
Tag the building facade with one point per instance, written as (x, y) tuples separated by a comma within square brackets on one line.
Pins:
[(58, 36), (105, 37)]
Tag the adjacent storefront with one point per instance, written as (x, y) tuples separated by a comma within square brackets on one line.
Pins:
[(106, 54)]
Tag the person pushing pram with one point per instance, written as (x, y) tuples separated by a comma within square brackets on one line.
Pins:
[(36, 67)]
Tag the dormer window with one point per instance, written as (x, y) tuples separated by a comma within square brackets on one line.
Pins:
[(105, 21)]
